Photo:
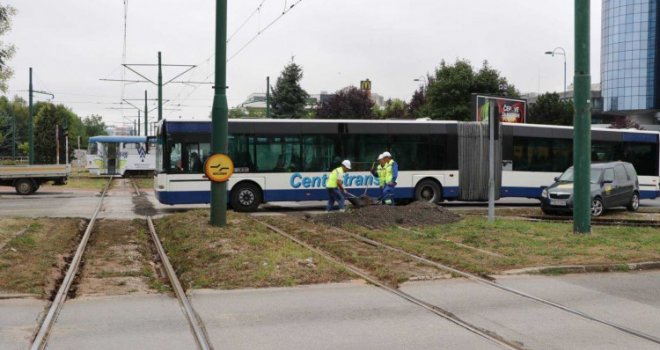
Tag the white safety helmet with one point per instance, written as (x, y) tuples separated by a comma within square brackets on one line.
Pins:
[(387, 155), (381, 156), (347, 164)]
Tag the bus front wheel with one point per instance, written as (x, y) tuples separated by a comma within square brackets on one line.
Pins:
[(245, 197), (428, 191)]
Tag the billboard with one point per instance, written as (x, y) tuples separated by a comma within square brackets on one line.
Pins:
[(508, 110)]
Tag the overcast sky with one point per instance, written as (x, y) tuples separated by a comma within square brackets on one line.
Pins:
[(71, 44)]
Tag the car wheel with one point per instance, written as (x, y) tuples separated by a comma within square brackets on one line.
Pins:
[(634, 202), (245, 197), (24, 187), (597, 207), (428, 191)]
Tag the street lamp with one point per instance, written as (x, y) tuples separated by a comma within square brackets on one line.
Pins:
[(559, 51), (422, 78)]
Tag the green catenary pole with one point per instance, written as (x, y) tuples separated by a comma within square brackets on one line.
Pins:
[(220, 112), (30, 122), (267, 97), (582, 122), (146, 113), (13, 132), (138, 123), (160, 89)]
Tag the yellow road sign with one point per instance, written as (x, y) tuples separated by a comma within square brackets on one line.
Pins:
[(219, 167), (365, 85)]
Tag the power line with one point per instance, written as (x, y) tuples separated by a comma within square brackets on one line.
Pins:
[(286, 10), (257, 10)]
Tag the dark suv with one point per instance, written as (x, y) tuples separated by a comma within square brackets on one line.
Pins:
[(612, 184)]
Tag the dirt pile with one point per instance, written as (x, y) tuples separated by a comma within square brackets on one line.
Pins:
[(381, 216)]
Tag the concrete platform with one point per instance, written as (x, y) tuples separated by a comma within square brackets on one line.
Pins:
[(126, 322), (333, 316), (18, 322), (538, 326)]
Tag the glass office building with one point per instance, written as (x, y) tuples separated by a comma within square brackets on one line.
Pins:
[(628, 55)]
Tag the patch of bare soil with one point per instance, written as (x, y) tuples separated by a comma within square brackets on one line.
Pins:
[(117, 260), (142, 206), (381, 216)]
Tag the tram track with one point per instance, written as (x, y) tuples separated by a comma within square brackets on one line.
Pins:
[(48, 322), (484, 280), (595, 222)]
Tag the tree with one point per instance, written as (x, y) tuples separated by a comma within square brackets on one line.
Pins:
[(550, 109), (449, 93), (6, 51), (625, 123), (289, 99), (349, 103), (394, 109), (93, 125)]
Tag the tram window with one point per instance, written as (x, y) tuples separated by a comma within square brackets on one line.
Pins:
[(239, 150), (176, 162), (412, 152), (363, 150), (644, 156), (278, 153), (319, 152), (540, 154), (93, 148), (438, 154)]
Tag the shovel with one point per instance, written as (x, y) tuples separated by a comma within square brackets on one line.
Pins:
[(359, 202)]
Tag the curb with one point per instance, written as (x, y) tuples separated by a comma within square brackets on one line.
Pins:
[(566, 269)]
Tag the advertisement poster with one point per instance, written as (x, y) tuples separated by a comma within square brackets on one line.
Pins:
[(508, 110)]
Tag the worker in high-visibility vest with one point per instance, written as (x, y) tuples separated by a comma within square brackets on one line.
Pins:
[(391, 172), (379, 173), (335, 187)]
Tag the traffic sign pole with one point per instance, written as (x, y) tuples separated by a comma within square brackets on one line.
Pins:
[(220, 113)]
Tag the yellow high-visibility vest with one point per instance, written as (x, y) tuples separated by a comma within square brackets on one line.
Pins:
[(334, 175), (381, 171), (388, 171)]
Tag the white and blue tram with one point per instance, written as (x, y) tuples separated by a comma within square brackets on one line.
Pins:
[(288, 160), (119, 155)]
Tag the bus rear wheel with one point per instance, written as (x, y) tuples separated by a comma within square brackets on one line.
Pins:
[(245, 197), (428, 191)]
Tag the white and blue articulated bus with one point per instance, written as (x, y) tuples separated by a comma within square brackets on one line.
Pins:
[(289, 160), (120, 155)]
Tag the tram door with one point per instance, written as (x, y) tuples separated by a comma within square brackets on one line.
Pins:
[(111, 154)]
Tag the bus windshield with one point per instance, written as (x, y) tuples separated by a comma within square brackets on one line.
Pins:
[(568, 175)]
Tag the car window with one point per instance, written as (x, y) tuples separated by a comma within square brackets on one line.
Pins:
[(620, 173), (630, 170), (609, 175)]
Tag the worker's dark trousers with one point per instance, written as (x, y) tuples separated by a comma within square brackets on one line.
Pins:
[(335, 196)]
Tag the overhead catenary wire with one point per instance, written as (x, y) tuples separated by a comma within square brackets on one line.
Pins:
[(250, 41)]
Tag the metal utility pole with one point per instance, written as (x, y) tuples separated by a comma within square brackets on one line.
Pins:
[(134, 128), (138, 123), (57, 144), (13, 133), (160, 88), (220, 113), (582, 122), (491, 161), (30, 122), (146, 113), (267, 97)]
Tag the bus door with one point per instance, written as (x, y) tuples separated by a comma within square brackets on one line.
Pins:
[(111, 156)]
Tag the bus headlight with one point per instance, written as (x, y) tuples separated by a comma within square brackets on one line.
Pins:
[(544, 193)]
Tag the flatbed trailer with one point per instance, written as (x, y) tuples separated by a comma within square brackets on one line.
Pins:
[(27, 179)]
